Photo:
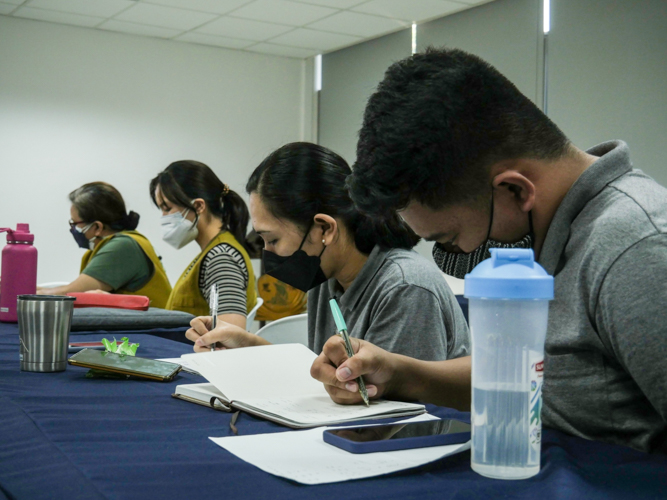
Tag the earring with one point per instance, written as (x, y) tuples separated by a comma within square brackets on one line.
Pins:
[(323, 242)]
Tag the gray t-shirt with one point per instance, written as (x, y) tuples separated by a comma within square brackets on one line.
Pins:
[(400, 302), (605, 373)]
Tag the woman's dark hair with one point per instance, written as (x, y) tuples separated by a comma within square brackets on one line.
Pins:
[(99, 201), (183, 181), (301, 179)]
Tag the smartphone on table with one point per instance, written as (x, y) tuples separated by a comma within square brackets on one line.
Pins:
[(399, 436), (80, 346), (126, 365)]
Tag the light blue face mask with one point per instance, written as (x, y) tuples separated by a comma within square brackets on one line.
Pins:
[(177, 230)]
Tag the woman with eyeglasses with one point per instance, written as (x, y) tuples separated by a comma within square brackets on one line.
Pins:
[(118, 259), (197, 206), (317, 241)]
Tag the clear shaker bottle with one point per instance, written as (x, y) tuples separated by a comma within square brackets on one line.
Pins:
[(509, 298)]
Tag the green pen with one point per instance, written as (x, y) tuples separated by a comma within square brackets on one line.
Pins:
[(342, 331)]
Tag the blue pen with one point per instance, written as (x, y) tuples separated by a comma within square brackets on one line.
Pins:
[(342, 331)]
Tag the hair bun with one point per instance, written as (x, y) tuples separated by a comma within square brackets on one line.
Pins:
[(131, 220)]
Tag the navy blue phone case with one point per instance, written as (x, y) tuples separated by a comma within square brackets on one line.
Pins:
[(394, 444)]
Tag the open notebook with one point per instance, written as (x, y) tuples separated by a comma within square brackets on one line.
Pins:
[(274, 382)]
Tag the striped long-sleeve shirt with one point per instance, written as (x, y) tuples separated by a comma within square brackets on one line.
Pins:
[(224, 265)]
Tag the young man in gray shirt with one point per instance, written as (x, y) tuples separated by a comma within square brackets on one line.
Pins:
[(483, 167)]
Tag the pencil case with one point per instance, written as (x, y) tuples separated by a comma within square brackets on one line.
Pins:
[(111, 301)]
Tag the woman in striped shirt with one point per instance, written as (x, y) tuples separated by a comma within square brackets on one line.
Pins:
[(197, 206)]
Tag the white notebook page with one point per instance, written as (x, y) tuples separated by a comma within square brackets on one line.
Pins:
[(271, 371), (276, 379)]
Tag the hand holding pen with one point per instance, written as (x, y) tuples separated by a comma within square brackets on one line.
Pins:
[(342, 331)]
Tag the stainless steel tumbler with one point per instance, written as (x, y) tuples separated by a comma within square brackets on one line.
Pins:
[(44, 325)]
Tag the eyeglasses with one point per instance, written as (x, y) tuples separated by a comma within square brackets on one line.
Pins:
[(73, 224)]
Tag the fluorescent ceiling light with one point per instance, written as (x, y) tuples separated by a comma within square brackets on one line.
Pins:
[(546, 14), (318, 72), (414, 38)]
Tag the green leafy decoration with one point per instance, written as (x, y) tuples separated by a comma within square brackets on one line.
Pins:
[(124, 348)]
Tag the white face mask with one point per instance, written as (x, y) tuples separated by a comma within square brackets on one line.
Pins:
[(177, 230)]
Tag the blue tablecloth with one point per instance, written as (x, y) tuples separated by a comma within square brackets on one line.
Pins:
[(65, 436), (177, 334)]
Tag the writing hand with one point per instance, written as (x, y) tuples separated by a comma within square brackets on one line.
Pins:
[(338, 372), (224, 336)]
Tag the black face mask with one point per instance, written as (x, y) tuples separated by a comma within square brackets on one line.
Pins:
[(300, 270), (80, 237)]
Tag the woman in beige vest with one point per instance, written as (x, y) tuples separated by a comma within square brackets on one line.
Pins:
[(197, 206)]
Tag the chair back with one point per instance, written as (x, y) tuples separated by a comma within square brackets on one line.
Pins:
[(253, 312), (290, 330)]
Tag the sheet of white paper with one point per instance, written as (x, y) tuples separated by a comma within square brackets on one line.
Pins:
[(184, 362), (304, 457)]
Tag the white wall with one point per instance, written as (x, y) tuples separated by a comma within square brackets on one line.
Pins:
[(607, 78), (80, 105)]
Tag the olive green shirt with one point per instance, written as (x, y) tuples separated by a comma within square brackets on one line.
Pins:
[(121, 264)]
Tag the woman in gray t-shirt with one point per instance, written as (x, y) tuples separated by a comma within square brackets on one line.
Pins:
[(317, 241)]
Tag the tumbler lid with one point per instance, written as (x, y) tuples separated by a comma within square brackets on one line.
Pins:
[(44, 298), (510, 273)]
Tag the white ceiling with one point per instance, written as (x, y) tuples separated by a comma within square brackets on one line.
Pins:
[(291, 28)]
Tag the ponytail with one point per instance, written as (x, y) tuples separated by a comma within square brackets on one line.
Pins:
[(130, 221), (235, 217), (387, 232)]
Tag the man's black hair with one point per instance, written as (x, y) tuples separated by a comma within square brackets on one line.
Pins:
[(434, 126)]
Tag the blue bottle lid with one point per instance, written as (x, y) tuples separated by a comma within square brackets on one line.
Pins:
[(510, 273)]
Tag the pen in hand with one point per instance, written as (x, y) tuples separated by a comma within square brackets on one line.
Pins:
[(213, 306), (342, 331)]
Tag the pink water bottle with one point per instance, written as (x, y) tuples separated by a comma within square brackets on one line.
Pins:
[(19, 270)]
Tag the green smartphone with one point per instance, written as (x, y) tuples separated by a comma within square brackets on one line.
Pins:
[(127, 365)]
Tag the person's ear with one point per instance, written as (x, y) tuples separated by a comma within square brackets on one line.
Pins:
[(515, 186), (97, 228), (325, 229), (199, 206)]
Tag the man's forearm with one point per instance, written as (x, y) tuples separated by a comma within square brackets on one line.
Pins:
[(444, 383)]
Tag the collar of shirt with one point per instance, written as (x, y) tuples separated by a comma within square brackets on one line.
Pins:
[(349, 298), (614, 161)]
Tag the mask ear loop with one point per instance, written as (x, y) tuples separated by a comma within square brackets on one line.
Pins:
[(87, 228), (488, 233), (532, 232), (194, 223), (306, 236)]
